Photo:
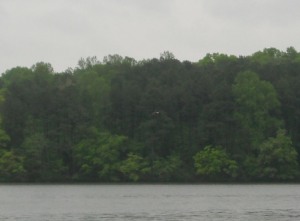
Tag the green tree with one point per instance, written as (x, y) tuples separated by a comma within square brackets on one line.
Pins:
[(11, 164), (99, 156), (135, 167), (267, 56), (216, 58), (256, 103), (88, 63), (41, 161), (168, 168), (27, 94), (167, 55), (67, 121), (277, 158), (94, 87), (156, 133), (215, 163)]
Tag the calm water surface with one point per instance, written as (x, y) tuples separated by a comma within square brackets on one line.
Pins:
[(149, 202)]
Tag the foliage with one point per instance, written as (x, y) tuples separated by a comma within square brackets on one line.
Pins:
[(11, 166), (213, 162), (134, 167), (277, 158), (99, 156), (125, 120), (256, 101), (167, 169)]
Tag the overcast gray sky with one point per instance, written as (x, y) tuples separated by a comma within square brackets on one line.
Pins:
[(62, 31)]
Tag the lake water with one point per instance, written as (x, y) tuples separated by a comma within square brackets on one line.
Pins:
[(149, 202)]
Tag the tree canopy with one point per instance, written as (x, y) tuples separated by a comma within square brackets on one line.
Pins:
[(223, 118)]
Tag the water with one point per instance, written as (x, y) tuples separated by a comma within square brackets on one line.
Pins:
[(149, 202)]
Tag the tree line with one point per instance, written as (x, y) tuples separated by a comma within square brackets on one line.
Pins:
[(223, 118)]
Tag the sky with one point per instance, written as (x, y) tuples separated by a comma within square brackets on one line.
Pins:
[(60, 32)]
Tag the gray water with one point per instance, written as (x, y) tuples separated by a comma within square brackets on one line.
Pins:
[(149, 202)]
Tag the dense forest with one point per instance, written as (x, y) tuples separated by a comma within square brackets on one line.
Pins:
[(223, 118)]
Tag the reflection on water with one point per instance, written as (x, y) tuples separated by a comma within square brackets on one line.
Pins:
[(149, 202)]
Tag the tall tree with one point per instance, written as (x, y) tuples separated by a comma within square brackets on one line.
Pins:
[(256, 103)]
